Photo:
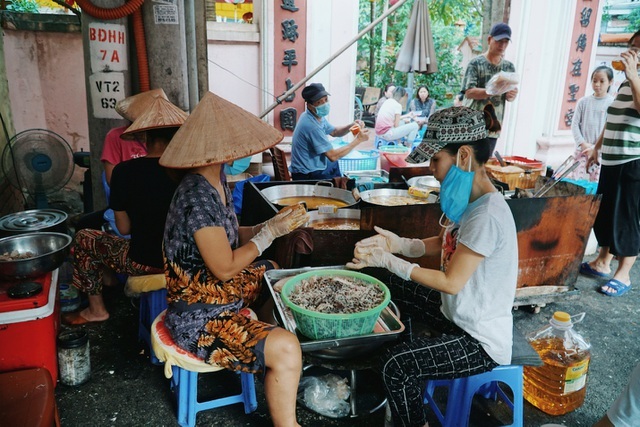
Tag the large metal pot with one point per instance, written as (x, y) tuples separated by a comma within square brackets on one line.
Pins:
[(311, 195), (49, 220), (342, 219), (49, 252), (393, 197)]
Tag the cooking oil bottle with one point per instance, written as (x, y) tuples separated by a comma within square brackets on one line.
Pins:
[(559, 386)]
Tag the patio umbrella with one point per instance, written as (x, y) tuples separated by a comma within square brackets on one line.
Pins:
[(417, 53)]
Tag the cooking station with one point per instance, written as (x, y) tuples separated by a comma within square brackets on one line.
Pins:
[(552, 233), (356, 355)]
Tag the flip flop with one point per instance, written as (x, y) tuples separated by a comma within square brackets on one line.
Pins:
[(76, 319), (617, 288), (587, 270)]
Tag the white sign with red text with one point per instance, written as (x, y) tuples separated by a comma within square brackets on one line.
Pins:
[(106, 90), (108, 47)]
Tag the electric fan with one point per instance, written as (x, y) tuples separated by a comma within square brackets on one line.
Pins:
[(37, 162)]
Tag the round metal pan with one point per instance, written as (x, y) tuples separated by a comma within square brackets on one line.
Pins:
[(295, 193), (50, 220), (428, 182), (394, 197), (342, 219)]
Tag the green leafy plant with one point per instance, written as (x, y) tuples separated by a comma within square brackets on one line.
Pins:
[(23, 6), (447, 36)]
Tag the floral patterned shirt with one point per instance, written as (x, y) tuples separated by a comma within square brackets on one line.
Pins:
[(196, 204)]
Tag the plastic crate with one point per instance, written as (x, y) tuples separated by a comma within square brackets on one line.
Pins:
[(526, 179), (369, 162)]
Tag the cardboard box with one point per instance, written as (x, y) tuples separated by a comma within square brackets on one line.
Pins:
[(29, 328)]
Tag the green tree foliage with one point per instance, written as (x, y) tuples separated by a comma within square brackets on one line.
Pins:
[(634, 21), (24, 6), (444, 84)]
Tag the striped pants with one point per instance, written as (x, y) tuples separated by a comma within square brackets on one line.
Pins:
[(94, 250), (408, 366)]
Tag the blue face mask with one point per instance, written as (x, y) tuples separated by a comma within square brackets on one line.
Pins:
[(322, 110), (238, 166), (455, 191)]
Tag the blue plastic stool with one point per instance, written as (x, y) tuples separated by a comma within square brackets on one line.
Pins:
[(462, 390), (153, 300), (183, 368), (151, 304)]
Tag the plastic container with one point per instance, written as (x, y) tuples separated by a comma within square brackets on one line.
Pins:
[(74, 357), (393, 156), (28, 328), (318, 325), (359, 160), (532, 169), (559, 386), (68, 294)]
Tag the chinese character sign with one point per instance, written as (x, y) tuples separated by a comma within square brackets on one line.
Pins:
[(290, 44), (583, 41)]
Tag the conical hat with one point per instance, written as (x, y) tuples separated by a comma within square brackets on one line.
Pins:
[(161, 114), (130, 108), (218, 131)]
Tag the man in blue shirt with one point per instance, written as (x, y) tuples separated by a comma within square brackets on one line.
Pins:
[(312, 155)]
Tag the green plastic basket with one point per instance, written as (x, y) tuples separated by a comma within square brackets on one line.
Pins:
[(318, 325)]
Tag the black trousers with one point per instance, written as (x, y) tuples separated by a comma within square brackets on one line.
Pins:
[(408, 366), (617, 224)]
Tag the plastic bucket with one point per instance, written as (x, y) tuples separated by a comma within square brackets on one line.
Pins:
[(393, 156)]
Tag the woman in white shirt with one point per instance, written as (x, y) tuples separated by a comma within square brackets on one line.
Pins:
[(391, 124)]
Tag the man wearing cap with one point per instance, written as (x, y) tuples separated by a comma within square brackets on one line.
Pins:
[(312, 154), (482, 68)]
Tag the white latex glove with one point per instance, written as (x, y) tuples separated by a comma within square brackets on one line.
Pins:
[(391, 242), (283, 223), (286, 221), (375, 256)]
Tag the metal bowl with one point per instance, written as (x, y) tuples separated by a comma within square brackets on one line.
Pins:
[(428, 182), (49, 249)]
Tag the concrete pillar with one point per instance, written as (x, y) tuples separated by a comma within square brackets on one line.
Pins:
[(164, 28), (106, 65)]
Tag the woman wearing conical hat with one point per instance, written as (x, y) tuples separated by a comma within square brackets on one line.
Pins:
[(210, 261), (140, 196)]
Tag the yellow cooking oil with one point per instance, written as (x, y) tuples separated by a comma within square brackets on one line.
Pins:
[(560, 385)]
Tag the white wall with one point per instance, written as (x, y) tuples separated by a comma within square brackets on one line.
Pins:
[(540, 54), (331, 24)]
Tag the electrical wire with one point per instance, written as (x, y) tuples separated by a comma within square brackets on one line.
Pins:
[(13, 160), (245, 81)]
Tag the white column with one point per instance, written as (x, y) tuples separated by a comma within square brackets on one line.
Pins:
[(330, 25), (542, 43)]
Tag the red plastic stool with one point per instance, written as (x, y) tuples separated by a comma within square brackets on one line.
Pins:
[(27, 399)]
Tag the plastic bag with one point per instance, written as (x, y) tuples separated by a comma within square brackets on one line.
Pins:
[(238, 190), (502, 82), (326, 395)]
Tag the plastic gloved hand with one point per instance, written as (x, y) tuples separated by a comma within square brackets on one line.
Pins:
[(375, 256), (288, 219), (393, 243)]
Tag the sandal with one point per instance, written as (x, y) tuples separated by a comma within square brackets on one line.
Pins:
[(587, 270), (616, 288)]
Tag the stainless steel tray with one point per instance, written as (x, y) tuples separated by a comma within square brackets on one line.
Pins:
[(388, 326)]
